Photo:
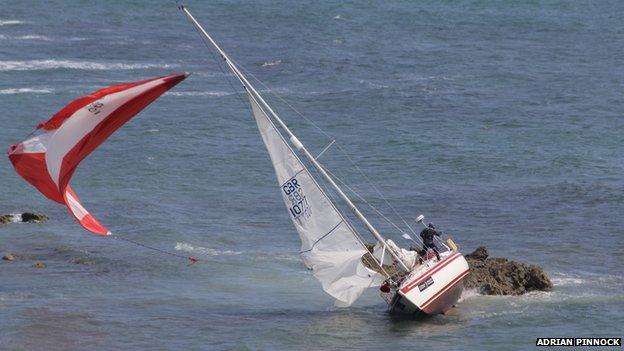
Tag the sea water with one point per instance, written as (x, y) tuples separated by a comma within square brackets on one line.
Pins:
[(502, 122)]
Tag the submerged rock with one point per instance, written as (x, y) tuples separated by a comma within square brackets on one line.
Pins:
[(8, 257), (85, 261), (6, 218), (500, 276), (39, 265)]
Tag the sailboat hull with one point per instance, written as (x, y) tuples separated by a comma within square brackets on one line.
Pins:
[(433, 288)]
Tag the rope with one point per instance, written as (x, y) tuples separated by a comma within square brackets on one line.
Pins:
[(192, 259)]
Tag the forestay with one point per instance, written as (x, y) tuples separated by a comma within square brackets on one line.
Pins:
[(329, 245)]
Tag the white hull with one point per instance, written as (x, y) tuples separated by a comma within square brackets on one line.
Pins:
[(433, 287)]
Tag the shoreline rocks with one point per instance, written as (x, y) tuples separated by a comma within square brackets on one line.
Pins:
[(501, 276)]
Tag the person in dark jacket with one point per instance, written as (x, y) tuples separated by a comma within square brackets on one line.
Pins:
[(427, 236)]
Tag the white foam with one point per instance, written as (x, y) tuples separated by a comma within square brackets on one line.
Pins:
[(33, 65), (271, 63), (204, 250), (198, 93), (15, 217), (468, 293), (39, 37), (9, 22), (567, 281), (33, 37), (12, 91), (373, 85)]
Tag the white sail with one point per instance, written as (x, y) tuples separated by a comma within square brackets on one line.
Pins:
[(329, 245)]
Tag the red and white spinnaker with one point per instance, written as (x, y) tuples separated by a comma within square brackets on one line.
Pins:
[(49, 159)]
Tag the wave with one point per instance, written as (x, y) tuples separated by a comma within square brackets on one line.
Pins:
[(39, 37), (12, 91), (27, 37), (33, 37), (199, 93), (181, 246), (9, 22), (567, 281), (469, 293), (373, 84), (586, 278), (271, 63), (36, 65)]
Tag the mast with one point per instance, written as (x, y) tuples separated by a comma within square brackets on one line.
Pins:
[(293, 139)]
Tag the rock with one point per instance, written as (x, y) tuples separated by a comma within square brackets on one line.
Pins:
[(33, 218), (500, 276), (8, 257), (6, 218), (24, 217), (480, 254), (83, 261), (39, 265)]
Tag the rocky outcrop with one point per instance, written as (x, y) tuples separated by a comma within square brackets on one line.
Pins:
[(500, 276), (27, 217), (33, 217)]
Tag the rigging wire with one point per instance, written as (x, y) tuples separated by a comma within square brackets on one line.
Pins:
[(368, 203), (342, 150), (332, 140)]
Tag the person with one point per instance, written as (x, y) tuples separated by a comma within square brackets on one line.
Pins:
[(427, 236)]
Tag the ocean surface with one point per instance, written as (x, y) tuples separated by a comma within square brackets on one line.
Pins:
[(502, 122)]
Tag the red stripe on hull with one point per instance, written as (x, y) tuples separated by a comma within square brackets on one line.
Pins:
[(445, 298), (428, 274)]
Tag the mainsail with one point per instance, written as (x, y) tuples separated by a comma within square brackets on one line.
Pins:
[(329, 245), (49, 160)]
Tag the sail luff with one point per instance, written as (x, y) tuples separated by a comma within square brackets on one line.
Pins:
[(293, 139)]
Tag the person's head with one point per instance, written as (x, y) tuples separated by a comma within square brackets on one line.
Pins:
[(430, 225)]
